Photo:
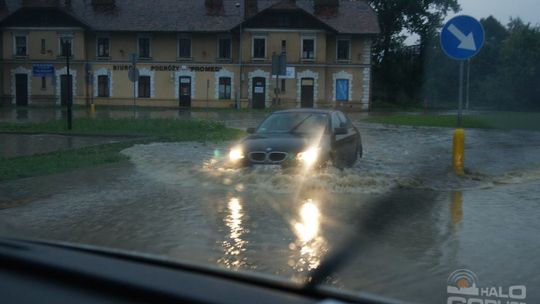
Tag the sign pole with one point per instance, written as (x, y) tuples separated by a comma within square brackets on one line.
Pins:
[(134, 102), (460, 99), (462, 37), (134, 77), (467, 88), (67, 51)]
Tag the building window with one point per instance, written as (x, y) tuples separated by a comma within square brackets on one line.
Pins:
[(43, 46), (66, 50), (103, 47), (224, 48), (224, 88), (20, 46), (283, 86), (103, 86), (144, 47), (308, 48), (343, 49), (184, 48), (144, 86), (43, 83), (342, 89), (259, 47), (284, 46)]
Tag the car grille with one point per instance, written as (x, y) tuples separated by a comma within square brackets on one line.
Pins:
[(267, 158), (257, 156), (277, 156)]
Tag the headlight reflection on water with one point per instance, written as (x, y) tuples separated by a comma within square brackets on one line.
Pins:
[(310, 244), (308, 227), (234, 245)]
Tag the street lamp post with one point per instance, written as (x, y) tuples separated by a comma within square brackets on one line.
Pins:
[(239, 90), (66, 45)]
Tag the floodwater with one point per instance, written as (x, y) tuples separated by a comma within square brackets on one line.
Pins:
[(408, 220)]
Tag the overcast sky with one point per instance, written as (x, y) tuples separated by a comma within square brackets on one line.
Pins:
[(502, 10), (527, 10)]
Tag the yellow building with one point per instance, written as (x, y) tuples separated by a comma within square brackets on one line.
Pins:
[(188, 53)]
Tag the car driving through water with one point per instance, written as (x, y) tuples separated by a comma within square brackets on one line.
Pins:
[(300, 137)]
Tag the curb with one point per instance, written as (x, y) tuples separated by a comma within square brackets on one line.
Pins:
[(75, 134)]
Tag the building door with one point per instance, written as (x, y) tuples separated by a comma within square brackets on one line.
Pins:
[(306, 92), (342, 90), (21, 89), (259, 92), (185, 92), (64, 88)]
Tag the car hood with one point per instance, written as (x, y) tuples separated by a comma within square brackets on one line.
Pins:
[(275, 142)]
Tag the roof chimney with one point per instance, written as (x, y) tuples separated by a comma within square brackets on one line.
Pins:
[(250, 8), (214, 7), (326, 7)]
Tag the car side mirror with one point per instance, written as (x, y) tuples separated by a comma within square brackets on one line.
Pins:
[(250, 130), (340, 131)]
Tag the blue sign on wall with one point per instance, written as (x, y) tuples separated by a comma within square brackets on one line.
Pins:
[(462, 37), (42, 69)]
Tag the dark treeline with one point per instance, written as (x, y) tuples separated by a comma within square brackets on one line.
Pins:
[(504, 75)]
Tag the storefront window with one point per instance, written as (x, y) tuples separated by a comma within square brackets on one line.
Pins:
[(225, 88)]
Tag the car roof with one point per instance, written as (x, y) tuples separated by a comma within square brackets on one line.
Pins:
[(303, 110)]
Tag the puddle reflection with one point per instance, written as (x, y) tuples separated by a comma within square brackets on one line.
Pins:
[(456, 207), (310, 245), (234, 245)]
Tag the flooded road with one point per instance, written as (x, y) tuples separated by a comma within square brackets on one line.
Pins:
[(178, 200)]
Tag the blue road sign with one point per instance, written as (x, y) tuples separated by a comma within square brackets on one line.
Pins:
[(42, 70), (462, 37)]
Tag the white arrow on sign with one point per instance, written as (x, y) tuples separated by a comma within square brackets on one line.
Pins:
[(466, 42)]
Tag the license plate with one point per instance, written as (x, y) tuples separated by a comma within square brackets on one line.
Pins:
[(266, 167)]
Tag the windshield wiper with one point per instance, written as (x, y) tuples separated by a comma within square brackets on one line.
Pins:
[(299, 124), (370, 223)]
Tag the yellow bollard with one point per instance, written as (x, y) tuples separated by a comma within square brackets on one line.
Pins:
[(458, 151), (93, 108)]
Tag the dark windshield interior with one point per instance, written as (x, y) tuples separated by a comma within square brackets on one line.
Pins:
[(294, 122)]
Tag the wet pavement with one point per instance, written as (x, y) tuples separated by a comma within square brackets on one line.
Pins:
[(179, 200)]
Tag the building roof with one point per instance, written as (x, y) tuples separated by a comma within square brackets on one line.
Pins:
[(353, 16)]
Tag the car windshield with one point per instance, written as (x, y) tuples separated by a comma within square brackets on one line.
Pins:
[(294, 122), (191, 130)]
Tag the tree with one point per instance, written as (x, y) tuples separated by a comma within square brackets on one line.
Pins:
[(520, 60), (505, 74), (398, 70)]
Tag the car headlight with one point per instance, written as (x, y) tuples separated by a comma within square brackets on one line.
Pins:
[(236, 154), (309, 157)]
